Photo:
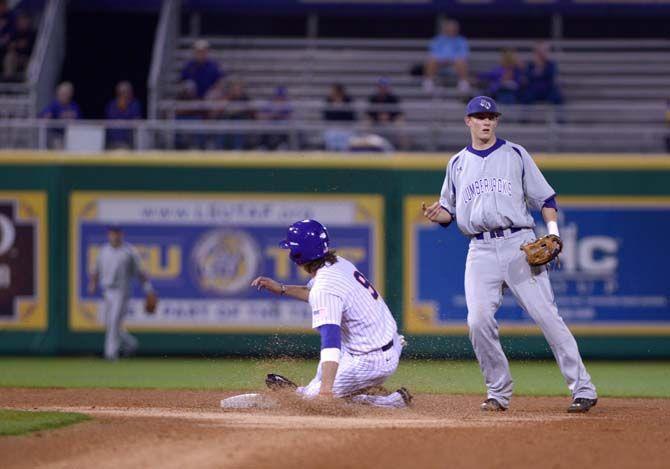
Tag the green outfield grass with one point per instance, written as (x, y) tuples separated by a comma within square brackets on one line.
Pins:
[(533, 378), (17, 422)]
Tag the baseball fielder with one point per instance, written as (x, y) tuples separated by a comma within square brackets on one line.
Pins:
[(488, 189), (360, 345), (116, 266)]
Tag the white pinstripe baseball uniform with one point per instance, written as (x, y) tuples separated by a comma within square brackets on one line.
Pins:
[(371, 347)]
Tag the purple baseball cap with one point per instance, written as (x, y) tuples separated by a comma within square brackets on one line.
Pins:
[(482, 104)]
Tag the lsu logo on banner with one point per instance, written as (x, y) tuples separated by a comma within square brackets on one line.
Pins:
[(225, 261), (203, 251)]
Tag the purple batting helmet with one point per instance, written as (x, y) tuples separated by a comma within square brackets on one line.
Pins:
[(307, 240)]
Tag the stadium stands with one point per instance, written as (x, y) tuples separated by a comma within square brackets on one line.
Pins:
[(24, 99), (614, 89)]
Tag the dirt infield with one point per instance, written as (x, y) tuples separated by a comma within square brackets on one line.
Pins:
[(179, 429)]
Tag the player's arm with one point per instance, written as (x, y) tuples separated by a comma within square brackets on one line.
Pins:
[(550, 216), (94, 276), (331, 344), (326, 318), (141, 274), (92, 282), (441, 210), (436, 213), (299, 292)]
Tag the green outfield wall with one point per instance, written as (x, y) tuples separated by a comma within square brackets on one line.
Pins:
[(53, 207)]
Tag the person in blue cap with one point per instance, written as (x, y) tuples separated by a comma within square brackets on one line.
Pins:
[(489, 189), (360, 345)]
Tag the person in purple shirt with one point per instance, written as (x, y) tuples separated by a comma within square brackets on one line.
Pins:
[(201, 70), (504, 80), (61, 108), (539, 82), (123, 107), (448, 49)]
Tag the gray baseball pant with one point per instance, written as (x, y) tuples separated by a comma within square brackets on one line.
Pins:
[(117, 339), (496, 262)]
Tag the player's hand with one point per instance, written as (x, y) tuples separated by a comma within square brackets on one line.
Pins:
[(267, 283), (435, 213), (325, 396)]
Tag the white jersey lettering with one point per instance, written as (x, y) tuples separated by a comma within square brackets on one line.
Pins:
[(495, 190)]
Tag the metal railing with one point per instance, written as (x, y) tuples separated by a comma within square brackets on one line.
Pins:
[(298, 134), (165, 46), (45, 64), (27, 98)]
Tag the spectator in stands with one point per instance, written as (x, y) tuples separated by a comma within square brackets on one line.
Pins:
[(448, 50), (504, 80), (237, 107), (7, 25), (338, 108), (188, 91), (202, 70), (19, 49), (339, 105), (278, 109), (123, 107), (385, 111), (539, 80), (384, 105), (61, 108)]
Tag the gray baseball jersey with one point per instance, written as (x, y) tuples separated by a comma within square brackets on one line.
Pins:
[(491, 189), (117, 267)]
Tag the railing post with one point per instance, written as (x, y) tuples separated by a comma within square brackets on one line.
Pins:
[(42, 136)]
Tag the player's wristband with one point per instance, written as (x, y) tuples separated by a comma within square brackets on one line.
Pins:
[(283, 290), (552, 228), (330, 355)]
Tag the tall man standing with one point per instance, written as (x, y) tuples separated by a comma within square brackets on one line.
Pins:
[(117, 264), (488, 189)]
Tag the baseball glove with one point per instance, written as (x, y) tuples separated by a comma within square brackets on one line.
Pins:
[(150, 303), (542, 250)]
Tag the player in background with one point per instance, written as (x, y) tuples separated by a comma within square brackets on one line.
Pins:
[(360, 345), (118, 263), (488, 189)]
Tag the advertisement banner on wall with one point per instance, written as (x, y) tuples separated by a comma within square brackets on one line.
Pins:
[(611, 278), (202, 251), (23, 260)]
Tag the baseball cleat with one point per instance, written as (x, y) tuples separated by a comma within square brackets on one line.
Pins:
[(278, 382), (492, 405), (406, 396), (581, 405)]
